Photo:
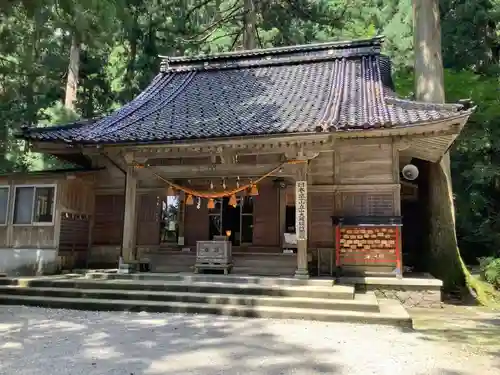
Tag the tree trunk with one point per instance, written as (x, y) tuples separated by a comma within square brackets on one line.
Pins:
[(73, 71), (249, 24), (31, 63), (444, 261)]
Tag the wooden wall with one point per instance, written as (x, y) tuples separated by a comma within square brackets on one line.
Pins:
[(28, 236), (368, 163), (36, 237), (148, 219), (359, 178), (196, 224), (68, 236), (75, 212), (266, 223), (367, 176), (108, 219), (321, 209)]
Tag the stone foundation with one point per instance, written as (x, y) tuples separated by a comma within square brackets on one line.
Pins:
[(28, 262), (411, 292), (409, 297)]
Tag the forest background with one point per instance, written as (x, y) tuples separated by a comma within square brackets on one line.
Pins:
[(67, 59)]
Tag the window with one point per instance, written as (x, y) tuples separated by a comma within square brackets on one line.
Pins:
[(34, 205), (246, 204), (4, 204)]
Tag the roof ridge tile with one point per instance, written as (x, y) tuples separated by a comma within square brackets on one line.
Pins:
[(274, 56)]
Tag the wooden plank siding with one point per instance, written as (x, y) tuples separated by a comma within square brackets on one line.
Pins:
[(196, 224), (74, 212), (367, 204), (148, 219), (33, 237), (108, 220), (74, 238), (266, 228), (321, 209), (362, 164)]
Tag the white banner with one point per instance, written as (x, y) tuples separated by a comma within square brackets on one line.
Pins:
[(301, 210)]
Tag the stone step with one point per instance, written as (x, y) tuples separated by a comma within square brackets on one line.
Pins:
[(264, 261), (172, 268), (264, 271), (362, 302), (333, 292), (391, 312), (193, 278)]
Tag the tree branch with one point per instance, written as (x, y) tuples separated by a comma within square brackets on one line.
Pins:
[(213, 25), (236, 38)]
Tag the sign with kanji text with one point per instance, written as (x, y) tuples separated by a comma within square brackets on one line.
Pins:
[(301, 209)]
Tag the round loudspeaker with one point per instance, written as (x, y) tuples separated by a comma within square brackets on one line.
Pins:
[(410, 172)]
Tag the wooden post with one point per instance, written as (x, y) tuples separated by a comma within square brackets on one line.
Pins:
[(181, 218), (429, 87), (301, 215), (282, 215), (130, 219)]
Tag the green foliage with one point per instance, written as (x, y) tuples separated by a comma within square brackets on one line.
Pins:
[(490, 270)]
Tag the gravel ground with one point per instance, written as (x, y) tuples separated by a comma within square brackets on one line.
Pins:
[(55, 342)]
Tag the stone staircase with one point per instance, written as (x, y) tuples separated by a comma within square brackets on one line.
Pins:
[(260, 297)]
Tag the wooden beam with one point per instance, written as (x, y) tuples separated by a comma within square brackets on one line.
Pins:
[(228, 153), (221, 171)]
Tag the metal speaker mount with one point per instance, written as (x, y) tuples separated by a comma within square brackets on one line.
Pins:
[(410, 172)]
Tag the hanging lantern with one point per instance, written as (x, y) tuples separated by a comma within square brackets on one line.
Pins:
[(232, 201), (189, 200), (224, 184), (211, 204), (211, 185), (198, 203), (170, 191), (254, 191)]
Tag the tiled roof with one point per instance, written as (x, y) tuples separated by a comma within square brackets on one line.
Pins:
[(302, 89)]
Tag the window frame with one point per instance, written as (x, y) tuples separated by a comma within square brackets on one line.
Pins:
[(4, 224), (179, 206), (34, 223), (242, 214)]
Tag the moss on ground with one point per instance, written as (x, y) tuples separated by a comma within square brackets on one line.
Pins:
[(474, 328)]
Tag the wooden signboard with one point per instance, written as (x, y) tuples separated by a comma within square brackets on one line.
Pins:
[(301, 209)]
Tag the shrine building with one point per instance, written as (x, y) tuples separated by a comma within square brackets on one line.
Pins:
[(291, 156)]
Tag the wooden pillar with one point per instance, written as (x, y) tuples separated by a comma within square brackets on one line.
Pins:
[(443, 262), (130, 217), (181, 216), (301, 219), (282, 215)]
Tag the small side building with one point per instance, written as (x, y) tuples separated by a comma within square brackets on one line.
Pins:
[(294, 153)]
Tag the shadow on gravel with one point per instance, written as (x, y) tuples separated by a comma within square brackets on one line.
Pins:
[(133, 344), (474, 329), (483, 334)]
